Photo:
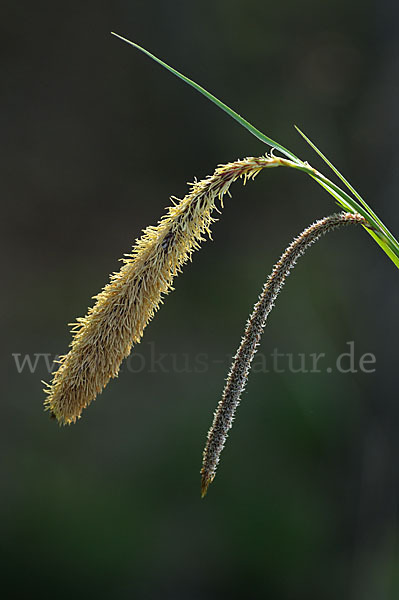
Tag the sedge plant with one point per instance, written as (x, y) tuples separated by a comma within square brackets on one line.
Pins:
[(122, 310)]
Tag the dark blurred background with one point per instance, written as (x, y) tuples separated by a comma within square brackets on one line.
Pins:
[(95, 138)]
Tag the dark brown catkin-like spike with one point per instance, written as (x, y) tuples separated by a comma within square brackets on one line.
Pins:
[(104, 337), (239, 371)]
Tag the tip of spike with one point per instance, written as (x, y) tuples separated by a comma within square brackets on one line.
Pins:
[(205, 483)]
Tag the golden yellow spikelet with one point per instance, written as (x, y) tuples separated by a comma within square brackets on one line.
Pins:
[(104, 337)]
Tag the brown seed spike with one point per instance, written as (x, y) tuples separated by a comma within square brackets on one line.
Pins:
[(238, 375), (104, 337)]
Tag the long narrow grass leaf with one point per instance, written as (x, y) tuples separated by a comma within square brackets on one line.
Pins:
[(385, 238), (346, 182), (261, 136)]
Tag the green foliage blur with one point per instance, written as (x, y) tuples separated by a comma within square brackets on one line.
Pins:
[(95, 138)]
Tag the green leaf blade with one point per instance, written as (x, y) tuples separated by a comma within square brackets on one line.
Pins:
[(346, 182), (380, 232), (234, 115)]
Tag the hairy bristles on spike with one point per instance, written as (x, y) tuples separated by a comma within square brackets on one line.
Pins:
[(238, 375), (104, 337)]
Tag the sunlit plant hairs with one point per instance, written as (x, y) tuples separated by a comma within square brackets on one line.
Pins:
[(104, 337)]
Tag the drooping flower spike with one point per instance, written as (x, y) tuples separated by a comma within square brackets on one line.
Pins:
[(104, 337), (239, 371)]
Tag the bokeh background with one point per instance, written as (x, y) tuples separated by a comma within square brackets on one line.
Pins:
[(94, 139)]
